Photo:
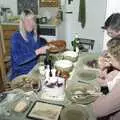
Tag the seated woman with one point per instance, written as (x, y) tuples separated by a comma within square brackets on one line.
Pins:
[(108, 106), (26, 46)]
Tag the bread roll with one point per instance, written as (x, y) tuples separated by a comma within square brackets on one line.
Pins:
[(21, 106)]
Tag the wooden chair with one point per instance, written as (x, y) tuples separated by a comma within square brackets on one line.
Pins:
[(3, 76), (6, 32)]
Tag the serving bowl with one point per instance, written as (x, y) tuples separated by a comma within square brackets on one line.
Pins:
[(64, 65), (90, 62), (73, 112), (57, 46), (70, 55)]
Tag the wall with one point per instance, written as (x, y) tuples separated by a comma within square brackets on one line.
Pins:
[(95, 10), (113, 6), (45, 11)]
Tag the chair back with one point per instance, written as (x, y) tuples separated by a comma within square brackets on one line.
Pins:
[(86, 44)]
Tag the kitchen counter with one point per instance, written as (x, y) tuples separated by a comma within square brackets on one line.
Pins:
[(43, 25), (8, 23)]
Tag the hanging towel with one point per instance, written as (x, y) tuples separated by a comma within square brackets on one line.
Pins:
[(82, 13)]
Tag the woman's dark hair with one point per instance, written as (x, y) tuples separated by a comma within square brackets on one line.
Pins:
[(113, 22)]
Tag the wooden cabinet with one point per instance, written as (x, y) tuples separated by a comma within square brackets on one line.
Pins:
[(49, 3)]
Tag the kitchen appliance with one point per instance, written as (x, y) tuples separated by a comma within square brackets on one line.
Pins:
[(43, 20)]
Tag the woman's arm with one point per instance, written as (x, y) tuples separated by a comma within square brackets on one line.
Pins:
[(105, 105), (41, 42)]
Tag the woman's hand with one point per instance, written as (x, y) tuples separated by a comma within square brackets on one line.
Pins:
[(41, 50)]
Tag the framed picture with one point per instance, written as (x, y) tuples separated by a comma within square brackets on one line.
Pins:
[(27, 4), (49, 3), (44, 111)]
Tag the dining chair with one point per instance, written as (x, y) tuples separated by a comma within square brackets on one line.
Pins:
[(4, 82), (3, 75), (85, 44)]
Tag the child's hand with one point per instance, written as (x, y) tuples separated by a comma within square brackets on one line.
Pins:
[(102, 77), (103, 62)]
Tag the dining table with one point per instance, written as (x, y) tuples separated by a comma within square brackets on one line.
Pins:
[(7, 104)]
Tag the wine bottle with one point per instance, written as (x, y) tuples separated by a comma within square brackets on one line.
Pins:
[(46, 60)]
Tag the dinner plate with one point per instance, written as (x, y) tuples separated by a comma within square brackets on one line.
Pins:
[(87, 75), (82, 93), (24, 82), (74, 112)]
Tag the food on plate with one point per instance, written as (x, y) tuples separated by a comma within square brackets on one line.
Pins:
[(54, 86), (92, 63), (24, 82), (62, 74), (21, 106)]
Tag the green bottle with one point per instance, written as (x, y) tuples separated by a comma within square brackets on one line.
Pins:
[(75, 43)]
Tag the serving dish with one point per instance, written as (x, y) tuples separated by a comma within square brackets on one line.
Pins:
[(70, 55), (57, 46), (64, 65)]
